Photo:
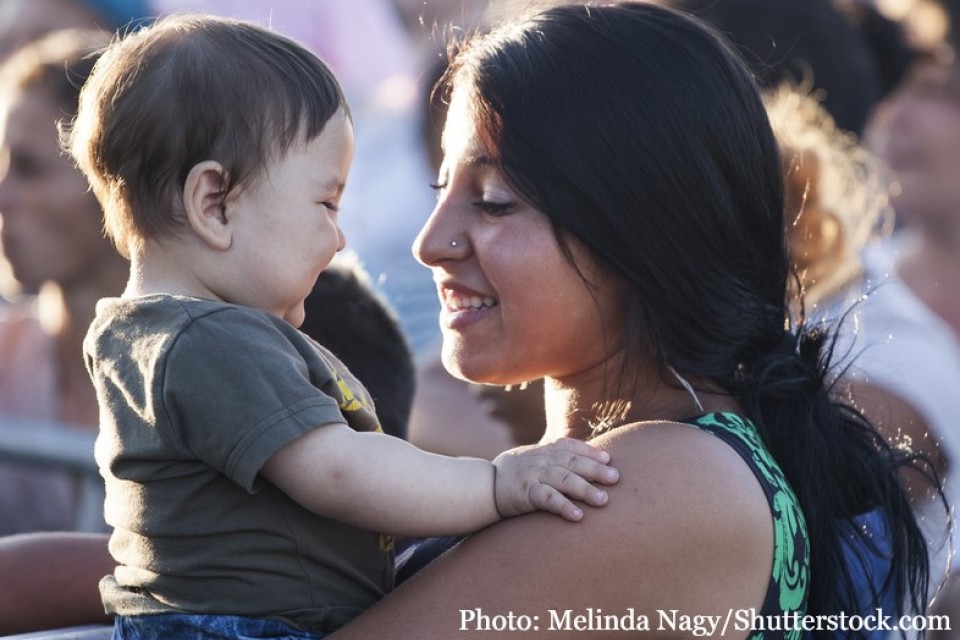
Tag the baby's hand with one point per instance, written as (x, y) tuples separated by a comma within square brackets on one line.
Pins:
[(545, 476)]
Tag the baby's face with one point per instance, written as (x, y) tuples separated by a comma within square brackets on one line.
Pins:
[(286, 223)]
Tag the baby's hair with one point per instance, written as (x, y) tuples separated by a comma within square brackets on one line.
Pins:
[(187, 89)]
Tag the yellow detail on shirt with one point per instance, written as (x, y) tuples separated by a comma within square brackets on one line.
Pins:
[(349, 402)]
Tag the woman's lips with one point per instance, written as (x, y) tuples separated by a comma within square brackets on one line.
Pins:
[(462, 307), (454, 301)]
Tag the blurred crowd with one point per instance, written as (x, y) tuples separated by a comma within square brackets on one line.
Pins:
[(864, 97)]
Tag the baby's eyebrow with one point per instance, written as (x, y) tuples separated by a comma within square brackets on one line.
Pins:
[(333, 184)]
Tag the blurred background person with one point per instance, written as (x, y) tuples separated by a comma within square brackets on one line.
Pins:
[(916, 131), (52, 239), (837, 201), (916, 311), (837, 208), (813, 43), (22, 21)]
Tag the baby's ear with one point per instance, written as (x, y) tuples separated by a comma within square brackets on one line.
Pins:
[(204, 192)]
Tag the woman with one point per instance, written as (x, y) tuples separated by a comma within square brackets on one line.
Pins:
[(610, 218)]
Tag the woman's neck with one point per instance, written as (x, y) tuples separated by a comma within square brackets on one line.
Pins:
[(584, 410)]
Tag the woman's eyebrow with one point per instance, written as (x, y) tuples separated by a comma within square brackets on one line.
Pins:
[(478, 160)]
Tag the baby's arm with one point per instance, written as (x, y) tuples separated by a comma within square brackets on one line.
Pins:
[(382, 483)]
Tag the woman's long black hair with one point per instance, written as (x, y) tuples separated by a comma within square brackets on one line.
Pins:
[(635, 129)]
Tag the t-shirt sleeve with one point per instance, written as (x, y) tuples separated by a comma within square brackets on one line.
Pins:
[(236, 391)]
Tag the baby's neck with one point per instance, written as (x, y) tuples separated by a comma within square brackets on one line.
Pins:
[(154, 271)]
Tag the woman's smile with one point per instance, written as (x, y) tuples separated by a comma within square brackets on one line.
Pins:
[(462, 307)]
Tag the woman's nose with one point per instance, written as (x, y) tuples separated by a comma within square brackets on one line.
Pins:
[(445, 236), (438, 239)]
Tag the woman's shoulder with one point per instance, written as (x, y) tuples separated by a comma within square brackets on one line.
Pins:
[(695, 476), (688, 513), (720, 449)]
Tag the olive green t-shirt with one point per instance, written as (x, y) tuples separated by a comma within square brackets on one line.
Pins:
[(195, 396)]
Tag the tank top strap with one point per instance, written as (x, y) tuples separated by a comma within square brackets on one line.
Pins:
[(788, 589)]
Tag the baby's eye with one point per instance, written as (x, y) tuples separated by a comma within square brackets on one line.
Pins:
[(332, 206), (438, 187)]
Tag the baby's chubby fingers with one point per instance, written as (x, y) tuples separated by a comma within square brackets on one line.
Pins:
[(547, 477), (578, 447), (568, 484), (581, 467), (546, 498), (579, 457)]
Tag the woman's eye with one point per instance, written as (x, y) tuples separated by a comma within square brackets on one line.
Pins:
[(493, 208), (332, 206)]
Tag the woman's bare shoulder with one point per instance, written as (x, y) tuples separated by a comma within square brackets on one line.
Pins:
[(690, 489), (686, 516), (696, 469)]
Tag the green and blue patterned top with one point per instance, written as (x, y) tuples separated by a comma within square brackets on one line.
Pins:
[(788, 590)]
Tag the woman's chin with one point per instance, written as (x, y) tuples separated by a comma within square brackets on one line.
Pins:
[(466, 365)]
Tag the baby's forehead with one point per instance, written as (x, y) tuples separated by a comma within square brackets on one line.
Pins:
[(281, 134), (322, 155)]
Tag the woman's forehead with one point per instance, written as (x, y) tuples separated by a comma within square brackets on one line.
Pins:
[(466, 138)]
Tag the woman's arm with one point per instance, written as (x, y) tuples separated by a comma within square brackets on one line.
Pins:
[(50, 580), (686, 518), (382, 483)]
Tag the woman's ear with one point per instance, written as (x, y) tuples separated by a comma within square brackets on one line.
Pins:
[(204, 193)]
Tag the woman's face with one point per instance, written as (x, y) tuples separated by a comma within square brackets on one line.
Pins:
[(916, 131), (513, 308), (52, 227)]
